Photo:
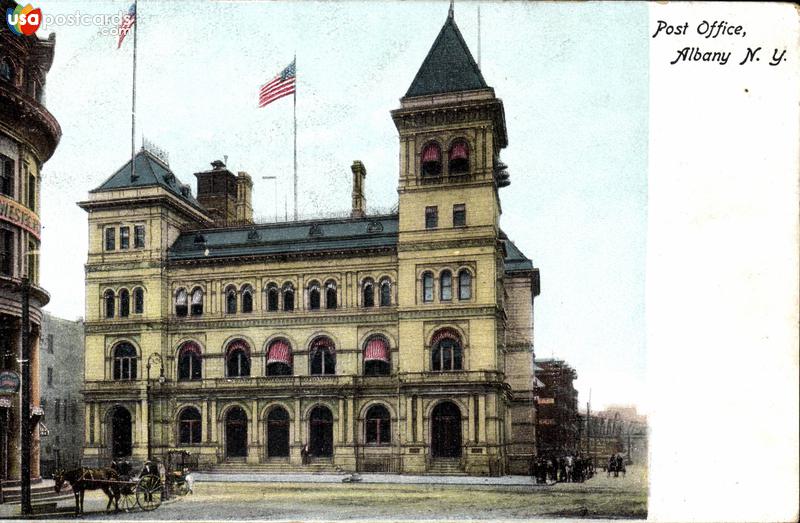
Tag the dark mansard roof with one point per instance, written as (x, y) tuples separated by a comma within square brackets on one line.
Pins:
[(305, 237), (150, 171), (449, 66)]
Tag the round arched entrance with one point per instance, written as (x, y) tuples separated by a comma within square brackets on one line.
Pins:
[(446, 430), (236, 433), (278, 433), (320, 430), (120, 432)]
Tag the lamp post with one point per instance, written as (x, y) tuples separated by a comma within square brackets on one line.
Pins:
[(274, 179), (24, 425), (161, 379)]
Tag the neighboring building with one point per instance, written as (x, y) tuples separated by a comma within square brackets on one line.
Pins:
[(29, 135), (398, 342), (557, 423), (61, 371)]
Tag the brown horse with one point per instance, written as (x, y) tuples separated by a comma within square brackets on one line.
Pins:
[(82, 479)]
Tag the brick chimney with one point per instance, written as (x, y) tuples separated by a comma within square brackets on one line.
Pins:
[(359, 200), (244, 197)]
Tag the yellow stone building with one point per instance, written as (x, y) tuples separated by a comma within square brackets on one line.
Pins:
[(399, 342)]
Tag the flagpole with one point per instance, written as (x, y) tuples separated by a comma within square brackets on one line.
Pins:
[(294, 110), (133, 98)]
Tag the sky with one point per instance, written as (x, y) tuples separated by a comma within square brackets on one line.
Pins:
[(573, 79)]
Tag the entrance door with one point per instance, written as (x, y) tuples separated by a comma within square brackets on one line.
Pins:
[(446, 431), (121, 433), (236, 433), (278, 433), (321, 432)]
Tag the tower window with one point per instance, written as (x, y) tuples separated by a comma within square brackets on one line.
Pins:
[(464, 285), (6, 176), (197, 301), (427, 287), (230, 301), (124, 237), (431, 217), (432, 160), (313, 296), (181, 303), (330, 295), (138, 300), (111, 239), (272, 297), (459, 215), (458, 158), (138, 236), (247, 299), (446, 286), (108, 301), (368, 294), (124, 303), (288, 297), (386, 293)]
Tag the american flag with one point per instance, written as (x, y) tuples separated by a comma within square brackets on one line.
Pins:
[(282, 85), (127, 22)]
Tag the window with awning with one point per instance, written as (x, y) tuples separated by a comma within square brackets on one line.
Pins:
[(458, 158), (376, 357), (279, 352), (431, 160)]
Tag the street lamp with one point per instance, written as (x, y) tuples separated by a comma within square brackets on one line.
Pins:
[(161, 380), (274, 179)]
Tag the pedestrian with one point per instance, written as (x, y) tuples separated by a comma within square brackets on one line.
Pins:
[(304, 454)]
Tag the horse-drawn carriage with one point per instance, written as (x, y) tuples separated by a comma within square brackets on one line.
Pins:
[(124, 489), (179, 467)]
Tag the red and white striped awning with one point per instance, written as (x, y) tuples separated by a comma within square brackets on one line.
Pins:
[(376, 350), (323, 343), (445, 333), (191, 346), (431, 153), (458, 151), (279, 352), (238, 344)]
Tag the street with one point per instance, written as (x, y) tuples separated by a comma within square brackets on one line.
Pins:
[(600, 497)]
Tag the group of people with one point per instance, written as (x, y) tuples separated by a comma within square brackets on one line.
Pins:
[(616, 464), (568, 469)]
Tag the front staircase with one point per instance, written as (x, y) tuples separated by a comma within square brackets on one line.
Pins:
[(41, 492), (276, 466), (446, 467)]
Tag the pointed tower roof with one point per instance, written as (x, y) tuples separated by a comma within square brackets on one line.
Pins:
[(449, 66)]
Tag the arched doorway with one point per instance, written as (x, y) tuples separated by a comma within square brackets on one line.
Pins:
[(121, 433), (320, 432), (446, 431), (236, 433), (278, 433)]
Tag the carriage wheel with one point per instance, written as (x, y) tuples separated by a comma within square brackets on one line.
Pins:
[(127, 497), (148, 493)]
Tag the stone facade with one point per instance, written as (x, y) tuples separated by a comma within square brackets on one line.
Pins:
[(29, 135), (399, 342), (61, 371)]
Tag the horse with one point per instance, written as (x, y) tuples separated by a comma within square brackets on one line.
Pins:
[(82, 479)]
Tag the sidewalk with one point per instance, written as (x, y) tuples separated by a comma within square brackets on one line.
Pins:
[(259, 477)]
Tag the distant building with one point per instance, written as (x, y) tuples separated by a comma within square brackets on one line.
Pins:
[(61, 371), (557, 427), (618, 428)]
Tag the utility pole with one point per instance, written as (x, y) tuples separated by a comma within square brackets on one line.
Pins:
[(25, 422)]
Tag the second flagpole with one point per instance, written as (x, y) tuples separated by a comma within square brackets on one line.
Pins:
[(294, 111), (133, 103)]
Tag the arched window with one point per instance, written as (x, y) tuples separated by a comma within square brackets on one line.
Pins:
[(432, 160), (367, 293), (313, 296), (288, 297), (138, 300), (197, 301), (279, 358), (378, 426), (330, 295), (464, 285), (446, 353), (190, 426), (108, 301), (230, 300), (237, 359), (124, 362), (247, 299), (124, 303), (6, 70), (458, 158), (386, 292), (427, 286), (272, 297), (181, 303), (190, 363), (323, 356), (446, 286), (376, 357)]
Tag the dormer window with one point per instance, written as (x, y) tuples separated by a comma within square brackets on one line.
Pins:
[(432, 160), (458, 158)]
